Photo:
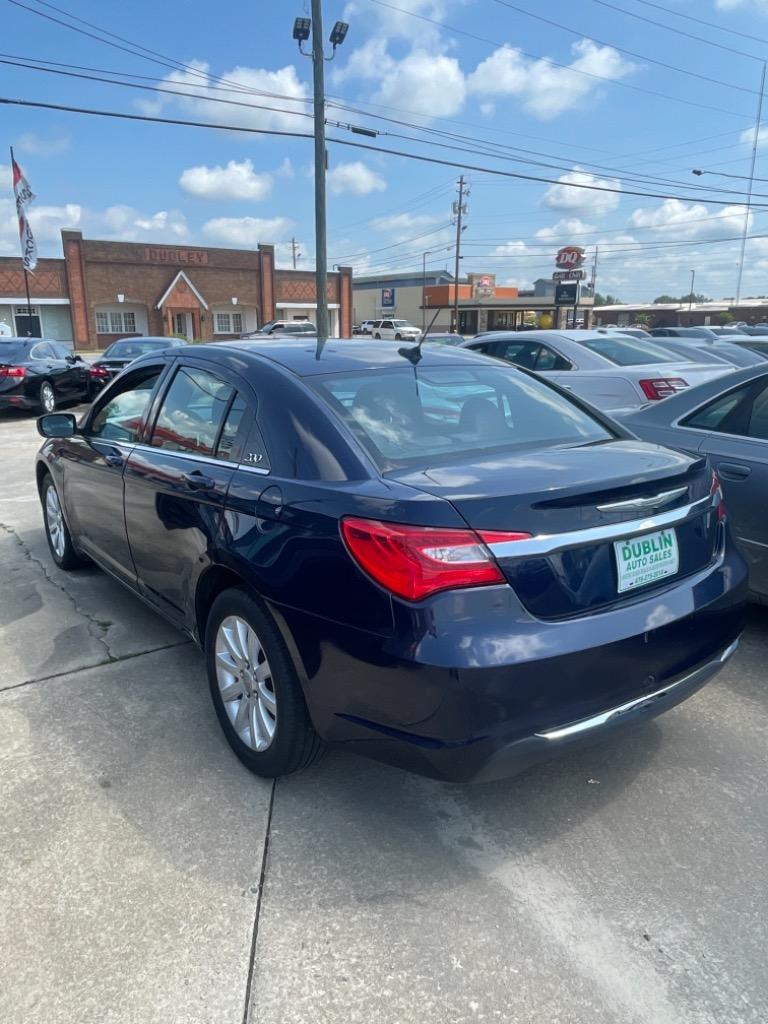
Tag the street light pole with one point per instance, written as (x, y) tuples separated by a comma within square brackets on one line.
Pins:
[(321, 253), (690, 298), (424, 291), (751, 185)]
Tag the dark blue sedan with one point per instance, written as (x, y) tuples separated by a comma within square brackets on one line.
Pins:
[(436, 560)]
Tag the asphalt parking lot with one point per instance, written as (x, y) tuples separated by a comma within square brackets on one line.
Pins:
[(146, 877)]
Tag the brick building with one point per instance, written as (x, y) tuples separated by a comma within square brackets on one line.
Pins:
[(101, 291)]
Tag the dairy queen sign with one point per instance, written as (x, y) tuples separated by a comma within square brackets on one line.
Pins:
[(570, 257)]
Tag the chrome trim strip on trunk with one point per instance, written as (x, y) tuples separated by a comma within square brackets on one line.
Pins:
[(632, 705), (643, 504), (548, 544)]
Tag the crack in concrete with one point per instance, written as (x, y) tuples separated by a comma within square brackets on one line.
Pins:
[(95, 628), (262, 880), (87, 668)]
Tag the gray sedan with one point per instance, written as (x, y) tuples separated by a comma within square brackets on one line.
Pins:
[(727, 420), (609, 370)]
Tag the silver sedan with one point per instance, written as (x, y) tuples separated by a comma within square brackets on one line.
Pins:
[(608, 370)]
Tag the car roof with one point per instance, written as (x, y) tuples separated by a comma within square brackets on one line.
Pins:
[(28, 341), (340, 355)]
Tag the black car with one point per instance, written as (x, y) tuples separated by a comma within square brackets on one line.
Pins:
[(36, 373), (427, 556), (120, 353)]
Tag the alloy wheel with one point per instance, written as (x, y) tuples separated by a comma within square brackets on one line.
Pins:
[(245, 683), (47, 397), (55, 521)]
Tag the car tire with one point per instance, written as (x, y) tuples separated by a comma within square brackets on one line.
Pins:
[(47, 397), (56, 530), (398, 337), (255, 689), (377, 337)]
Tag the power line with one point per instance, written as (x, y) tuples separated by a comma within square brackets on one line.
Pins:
[(701, 21), (7, 101), (496, 44), (489, 150), (677, 31), (630, 53)]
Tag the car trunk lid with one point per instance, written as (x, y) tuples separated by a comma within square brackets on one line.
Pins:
[(575, 502)]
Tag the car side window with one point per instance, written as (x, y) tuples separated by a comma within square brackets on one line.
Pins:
[(227, 447), (727, 414), (121, 415), (521, 353), (548, 359), (192, 412), (758, 421), (61, 351), (386, 323), (42, 351)]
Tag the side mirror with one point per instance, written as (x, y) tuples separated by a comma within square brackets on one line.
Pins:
[(57, 424)]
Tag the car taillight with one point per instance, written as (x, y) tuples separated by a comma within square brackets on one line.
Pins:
[(98, 371), (718, 499), (416, 561), (655, 388), (12, 371)]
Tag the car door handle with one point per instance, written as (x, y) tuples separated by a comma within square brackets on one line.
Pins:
[(197, 481), (114, 459), (733, 471)]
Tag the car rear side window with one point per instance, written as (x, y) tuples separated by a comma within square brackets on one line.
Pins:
[(192, 412), (409, 418), (726, 414), (225, 449), (758, 421)]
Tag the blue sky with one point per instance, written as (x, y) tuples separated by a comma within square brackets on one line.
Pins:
[(472, 68)]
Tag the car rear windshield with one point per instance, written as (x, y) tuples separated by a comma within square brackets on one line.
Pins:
[(627, 352), (12, 351), (133, 349), (417, 417)]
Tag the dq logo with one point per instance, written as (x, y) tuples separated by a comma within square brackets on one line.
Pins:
[(569, 257)]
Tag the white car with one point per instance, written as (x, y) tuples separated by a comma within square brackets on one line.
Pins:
[(611, 371), (366, 326), (395, 330)]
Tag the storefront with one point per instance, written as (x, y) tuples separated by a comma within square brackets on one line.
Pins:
[(103, 290)]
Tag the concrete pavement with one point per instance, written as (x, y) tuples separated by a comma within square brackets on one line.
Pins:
[(146, 877)]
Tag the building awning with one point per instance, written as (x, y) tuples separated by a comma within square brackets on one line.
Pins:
[(181, 276), (21, 300), (304, 305)]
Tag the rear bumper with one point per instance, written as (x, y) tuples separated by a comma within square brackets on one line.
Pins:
[(476, 697), (17, 401)]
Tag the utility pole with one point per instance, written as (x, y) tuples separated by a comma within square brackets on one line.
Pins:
[(296, 255), (424, 291), (459, 208), (690, 298), (593, 286), (751, 184)]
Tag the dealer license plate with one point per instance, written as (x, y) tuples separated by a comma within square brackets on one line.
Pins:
[(644, 560)]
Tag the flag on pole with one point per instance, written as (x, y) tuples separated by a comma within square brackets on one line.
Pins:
[(24, 196)]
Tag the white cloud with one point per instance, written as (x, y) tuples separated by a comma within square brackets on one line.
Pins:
[(543, 89), (565, 196), (235, 181), (260, 112), (285, 170), (690, 220), (761, 6), (402, 226), (246, 232), (118, 223), (38, 145), (392, 22), (424, 82), (565, 229), (517, 248), (355, 179)]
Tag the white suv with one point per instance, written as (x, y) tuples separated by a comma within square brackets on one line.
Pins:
[(394, 330)]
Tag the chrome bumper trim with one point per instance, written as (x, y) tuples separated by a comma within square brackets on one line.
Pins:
[(548, 544), (604, 717)]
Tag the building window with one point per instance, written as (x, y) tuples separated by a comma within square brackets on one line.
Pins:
[(116, 323), (228, 323)]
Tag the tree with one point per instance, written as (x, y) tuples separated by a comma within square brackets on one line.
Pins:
[(665, 298), (694, 297), (725, 318), (607, 300)]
